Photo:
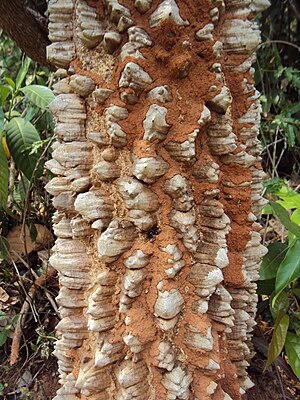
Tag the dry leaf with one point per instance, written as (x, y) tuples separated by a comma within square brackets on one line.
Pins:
[(44, 239)]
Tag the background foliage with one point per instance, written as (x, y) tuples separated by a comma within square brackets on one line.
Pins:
[(278, 79)]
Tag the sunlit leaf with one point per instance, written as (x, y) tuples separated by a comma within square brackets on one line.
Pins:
[(295, 217), (284, 218)]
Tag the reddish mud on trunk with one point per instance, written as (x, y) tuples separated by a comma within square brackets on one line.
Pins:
[(157, 191)]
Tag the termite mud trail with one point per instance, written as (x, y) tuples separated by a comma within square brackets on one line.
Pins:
[(157, 189)]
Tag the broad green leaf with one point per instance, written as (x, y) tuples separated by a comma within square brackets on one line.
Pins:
[(41, 96), (278, 339), (4, 247), (280, 306), (272, 260), (266, 287), (284, 218), (4, 175), (292, 348), (21, 135), (22, 72), (289, 269)]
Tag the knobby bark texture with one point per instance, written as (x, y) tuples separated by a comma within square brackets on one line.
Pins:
[(157, 193)]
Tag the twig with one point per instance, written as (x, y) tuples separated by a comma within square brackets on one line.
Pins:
[(280, 42), (293, 6), (280, 382), (48, 295), (34, 312), (15, 347), (11, 183), (27, 198)]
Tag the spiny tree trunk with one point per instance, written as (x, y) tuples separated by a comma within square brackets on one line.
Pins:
[(157, 191)]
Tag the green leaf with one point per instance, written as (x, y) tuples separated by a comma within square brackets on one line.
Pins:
[(272, 260), (21, 135), (4, 92), (284, 218), (11, 83), (39, 95), (4, 176), (294, 108), (289, 198), (266, 287), (280, 306), (3, 336), (267, 210), (297, 293), (31, 112), (295, 217), (292, 348), (289, 269), (22, 72), (23, 188), (295, 322), (32, 232), (290, 135), (1, 119), (278, 339), (4, 247)]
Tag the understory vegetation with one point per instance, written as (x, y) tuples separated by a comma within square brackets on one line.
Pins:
[(28, 312)]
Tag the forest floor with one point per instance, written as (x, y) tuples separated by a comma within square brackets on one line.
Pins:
[(38, 380)]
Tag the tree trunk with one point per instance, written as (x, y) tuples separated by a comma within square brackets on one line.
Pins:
[(26, 29), (157, 192)]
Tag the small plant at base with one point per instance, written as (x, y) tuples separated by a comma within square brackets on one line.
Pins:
[(280, 274)]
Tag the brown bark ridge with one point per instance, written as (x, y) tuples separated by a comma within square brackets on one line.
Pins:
[(157, 193), (20, 24)]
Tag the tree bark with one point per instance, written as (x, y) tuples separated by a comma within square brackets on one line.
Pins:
[(20, 25), (157, 193)]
